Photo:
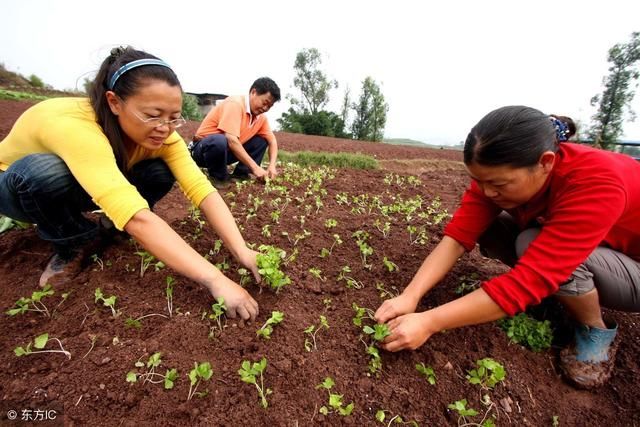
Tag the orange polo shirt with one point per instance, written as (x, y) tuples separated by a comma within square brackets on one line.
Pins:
[(234, 117)]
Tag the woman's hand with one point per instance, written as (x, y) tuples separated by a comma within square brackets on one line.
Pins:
[(236, 298), (248, 260), (394, 307), (408, 332)]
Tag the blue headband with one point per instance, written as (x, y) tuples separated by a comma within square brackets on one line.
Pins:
[(562, 129), (131, 65)]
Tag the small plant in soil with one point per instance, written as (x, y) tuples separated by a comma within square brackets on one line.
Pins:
[(523, 329), (317, 273), (34, 303), (335, 400), (365, 250), (96, 259), (269, 260), (218, 310), (244, 276), (266, 329), (310, 343), (266, 230), (381, 416), (200, 372), (351, 283), (151, 376), (389, 265), (252, 373), (106, 301), (377, 333), (383, 228), (169, 294), (487, 374), (386, 293), (39, 343), (426, 372), (468, 284), (330, 223), (324, 252), (460, 406), (417, 236), (146, 260)]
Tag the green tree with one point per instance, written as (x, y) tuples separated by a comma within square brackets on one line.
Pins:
[(190, 109), (346, 102), (36, 81), (370, 113), (618, 92), (313, 83), (324, 123)]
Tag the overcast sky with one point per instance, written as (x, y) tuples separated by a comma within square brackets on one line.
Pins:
[(441, 65)]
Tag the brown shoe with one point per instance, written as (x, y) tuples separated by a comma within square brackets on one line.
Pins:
[(60, 270)]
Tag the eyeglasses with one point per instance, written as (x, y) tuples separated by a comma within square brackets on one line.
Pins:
[(156, 122)]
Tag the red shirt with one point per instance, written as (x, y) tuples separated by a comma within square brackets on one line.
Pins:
[(591, 198)]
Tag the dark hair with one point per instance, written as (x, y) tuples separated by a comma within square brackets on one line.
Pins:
[(264, 85), (128, 84), (569, 122), (515, 135)]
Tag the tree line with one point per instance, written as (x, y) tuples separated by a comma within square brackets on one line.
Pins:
[(363, 119)]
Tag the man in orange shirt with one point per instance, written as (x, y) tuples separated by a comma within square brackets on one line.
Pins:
[(236, 130)]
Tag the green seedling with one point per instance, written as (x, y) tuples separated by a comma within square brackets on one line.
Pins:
[(330, 223), (145, 261), (389, 265), (312, 331), (384, 229), (387, 293), (267, 328), (361, 313), (275, 216), (327, 303), (523, 329), (95, 258), (487, 374), (269, 260), (107, 302), (460, 406), (169, 294), (335, 400), (218, 310), (351, 283), (249, 373), (468, 284), (34, 303), (292, 258), (222, 265), (200, 372), (168, 379), (426, 372), (266, 230), (217, 245), (417, 235), (365, 250), (378, 332), (39, 344), (381, 416), (317, 273), (244, 276)]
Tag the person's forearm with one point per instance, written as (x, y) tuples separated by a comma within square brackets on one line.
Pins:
[(273, 153), (471, 309), (219, 216), (434, 267), (164, 243), (241, 154)]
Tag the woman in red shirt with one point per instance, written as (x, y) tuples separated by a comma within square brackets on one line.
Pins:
[(564, 216)]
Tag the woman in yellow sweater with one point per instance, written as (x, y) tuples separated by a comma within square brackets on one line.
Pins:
[(117, 151)]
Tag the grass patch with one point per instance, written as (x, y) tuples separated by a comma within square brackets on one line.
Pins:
[(13, 95), (336, 160)]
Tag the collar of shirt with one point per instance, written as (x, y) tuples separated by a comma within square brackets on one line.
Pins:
[(248, 110)]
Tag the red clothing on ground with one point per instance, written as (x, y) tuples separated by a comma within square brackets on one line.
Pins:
[(591, 198)]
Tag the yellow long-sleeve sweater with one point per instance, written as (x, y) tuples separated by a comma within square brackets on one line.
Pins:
[(67, 127)]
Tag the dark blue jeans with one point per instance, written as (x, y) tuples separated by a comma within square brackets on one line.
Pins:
[(40, 189), (213, 153)]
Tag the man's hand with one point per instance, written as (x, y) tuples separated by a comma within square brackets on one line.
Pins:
[(272, 172), (260, 173), (408, 332), (237, 300), (394, 307), (248, 260)]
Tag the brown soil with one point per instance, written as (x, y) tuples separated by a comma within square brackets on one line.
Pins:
[(90, 388)]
